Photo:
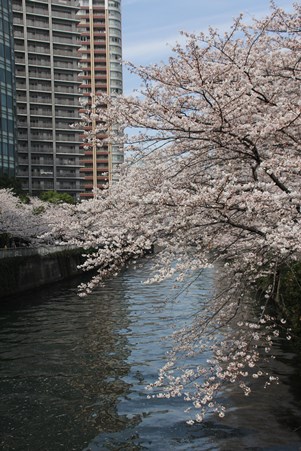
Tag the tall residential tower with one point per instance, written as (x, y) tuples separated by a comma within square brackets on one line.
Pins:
[(64, 50), (47, 68), (100, 30)]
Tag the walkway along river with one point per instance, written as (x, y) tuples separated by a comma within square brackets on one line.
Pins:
[(73, 374)]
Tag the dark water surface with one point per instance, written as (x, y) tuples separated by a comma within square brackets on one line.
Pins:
[(73, 374)]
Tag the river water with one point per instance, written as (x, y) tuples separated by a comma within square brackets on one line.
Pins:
[(73, 373)]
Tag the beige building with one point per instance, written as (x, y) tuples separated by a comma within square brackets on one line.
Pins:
[(100, 30)]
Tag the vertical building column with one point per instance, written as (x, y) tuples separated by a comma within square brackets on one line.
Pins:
[(110, 165), (27, 84), (51, 52), (93, 95)]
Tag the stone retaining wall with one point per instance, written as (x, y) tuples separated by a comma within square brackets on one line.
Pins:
[(18, 274)]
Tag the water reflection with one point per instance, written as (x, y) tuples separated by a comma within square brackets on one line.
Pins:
[(73, 374), (63, 361)]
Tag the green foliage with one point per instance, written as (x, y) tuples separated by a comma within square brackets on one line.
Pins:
[(289, 295), (15, 185), (38, 210), (56, 198), (4, 239), (11, 183)]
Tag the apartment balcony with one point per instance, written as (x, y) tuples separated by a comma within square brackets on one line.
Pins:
[(85, 50), (65, 67), (98, 72), (89, 187), (40, 162), (41, 125), (97, 85), (37, 24), (39, 150), (71, 120), (37, 38), (65, 78), (100, 169), (75, 165), (63, 28), (38, 101), (100, 82), (41, 139), (68, 174), (65, 103), (96, 60), (23, 173), (98, 161), (39, 50), (44, 173), (22, 161), (40, 91), (66, 54), (65, 152), (40, 64), (64, 139), (18, 34), (89, 182), (66, 90), (19, 48), (65, 16), (84, 15), (61, 128), (59, 40), (40, 112), (41, 185), (103, 153), (17, 8), (37, 76), (22, 151), (72, 5)]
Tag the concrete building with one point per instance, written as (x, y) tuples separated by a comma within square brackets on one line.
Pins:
[(64, 50), (101, 52), (7, 92), (47, 67)]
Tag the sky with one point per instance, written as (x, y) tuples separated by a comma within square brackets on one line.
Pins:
[(151, 27)]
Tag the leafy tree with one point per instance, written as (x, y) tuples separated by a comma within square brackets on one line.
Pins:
[(55, 198), (214, 179), (7, 182)]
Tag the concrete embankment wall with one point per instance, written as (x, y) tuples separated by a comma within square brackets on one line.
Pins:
[(21, 273)]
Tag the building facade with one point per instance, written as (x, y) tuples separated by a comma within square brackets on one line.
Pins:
[(47, 67), (7, 92), (65, 50), (101, 72)]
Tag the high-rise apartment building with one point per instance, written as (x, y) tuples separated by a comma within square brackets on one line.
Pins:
[(7, 92), (100, 30), (64, 50), (47, 67)]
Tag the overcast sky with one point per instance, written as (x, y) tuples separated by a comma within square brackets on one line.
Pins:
[(150, 27)]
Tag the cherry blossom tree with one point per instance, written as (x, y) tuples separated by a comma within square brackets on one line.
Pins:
[(14, 215), (32, 219), (212, 179)]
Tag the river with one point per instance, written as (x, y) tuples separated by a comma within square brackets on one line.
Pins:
[(73, 373)]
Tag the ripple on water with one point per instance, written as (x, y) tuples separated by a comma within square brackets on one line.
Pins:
[(73, 373)]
